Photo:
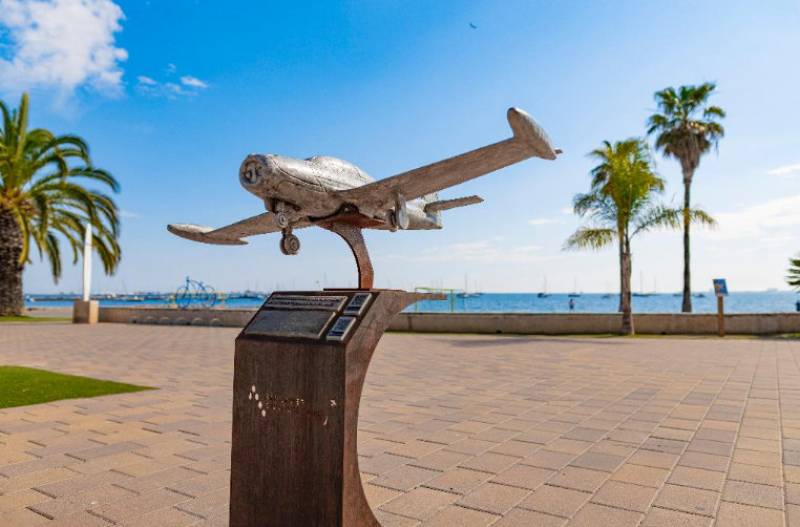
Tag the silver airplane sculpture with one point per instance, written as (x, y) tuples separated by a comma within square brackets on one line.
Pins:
[(326, 191)]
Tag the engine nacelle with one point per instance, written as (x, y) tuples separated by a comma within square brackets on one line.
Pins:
[(399, 216)]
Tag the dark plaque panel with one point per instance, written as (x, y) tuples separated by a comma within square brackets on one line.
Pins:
[(328, 303), (294, 324), (341, 328), (358, 304)]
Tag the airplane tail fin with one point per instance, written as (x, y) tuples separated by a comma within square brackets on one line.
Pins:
[(447, 204), (530, 134)]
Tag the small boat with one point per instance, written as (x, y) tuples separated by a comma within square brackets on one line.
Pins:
[(543, 293), (574, 293), (699, 295), (641, 292), (466, 293)]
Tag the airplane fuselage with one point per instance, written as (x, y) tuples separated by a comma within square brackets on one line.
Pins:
[(311, 187)]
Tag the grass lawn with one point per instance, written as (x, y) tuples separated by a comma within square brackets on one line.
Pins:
[(24, 318), (21, 386)]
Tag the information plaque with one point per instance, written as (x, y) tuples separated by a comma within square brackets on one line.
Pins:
[(290, 323), (316, 316)]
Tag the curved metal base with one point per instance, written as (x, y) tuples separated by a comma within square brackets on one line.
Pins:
[(352, 235)]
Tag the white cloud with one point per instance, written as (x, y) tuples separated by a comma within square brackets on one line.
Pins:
[(543, 221), (174, 88), (567, 210), (188, 87), (194, 82), (773, 219), (61, 44), (785, 170), (484, 251), (128, 214)]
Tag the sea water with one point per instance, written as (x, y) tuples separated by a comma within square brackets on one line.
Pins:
[(737, 302)]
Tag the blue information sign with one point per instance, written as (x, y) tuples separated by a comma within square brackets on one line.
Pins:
[(720, 287)]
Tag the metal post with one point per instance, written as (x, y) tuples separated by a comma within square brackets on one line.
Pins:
[(721, 315), (87, 263)]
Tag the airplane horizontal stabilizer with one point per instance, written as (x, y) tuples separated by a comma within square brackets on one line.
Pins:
[(447, 204)]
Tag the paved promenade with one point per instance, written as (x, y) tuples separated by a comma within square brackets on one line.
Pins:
[(455, 431)]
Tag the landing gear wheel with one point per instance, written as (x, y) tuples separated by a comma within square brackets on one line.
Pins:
[(282, 219), (290, 244)]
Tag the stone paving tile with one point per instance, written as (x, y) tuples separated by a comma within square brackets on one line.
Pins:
[(130, 509), (625, 496), (405, 477), (80, 519), (687, 499), (579, 479), (641, 475), (22, 518), (21, 499), (736, 515), (458, 481), (420, 504), (556, 501), (440, 460), (755, 474), (584, 432), (548, 459), (455, 515), (75, 503), (753, 494), (521, 449), (527, 518), (697, 478), (596, 461), (593, 515), (523, 476), (205, 505), (667, 518), (494, 498)]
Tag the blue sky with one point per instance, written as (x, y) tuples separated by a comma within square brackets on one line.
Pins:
[(172, 95)]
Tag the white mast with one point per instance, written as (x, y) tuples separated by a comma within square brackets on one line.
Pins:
[(87, 262)]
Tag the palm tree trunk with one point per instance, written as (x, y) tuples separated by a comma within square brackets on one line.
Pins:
[(621, 275), (10, 268), (626, 268), (686, 307)]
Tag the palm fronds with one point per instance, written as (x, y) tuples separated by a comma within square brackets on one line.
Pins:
[(47, 183), (686, 127), (793, 276)]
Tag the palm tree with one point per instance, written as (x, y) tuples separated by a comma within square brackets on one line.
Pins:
[(621, 204), (43, 201), (793, 278), (686, 128)]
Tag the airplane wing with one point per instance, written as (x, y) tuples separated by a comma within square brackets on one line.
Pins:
[(231, 234), (529, 140)]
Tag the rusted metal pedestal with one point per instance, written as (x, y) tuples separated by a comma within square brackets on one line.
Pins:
[(298, 373)]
